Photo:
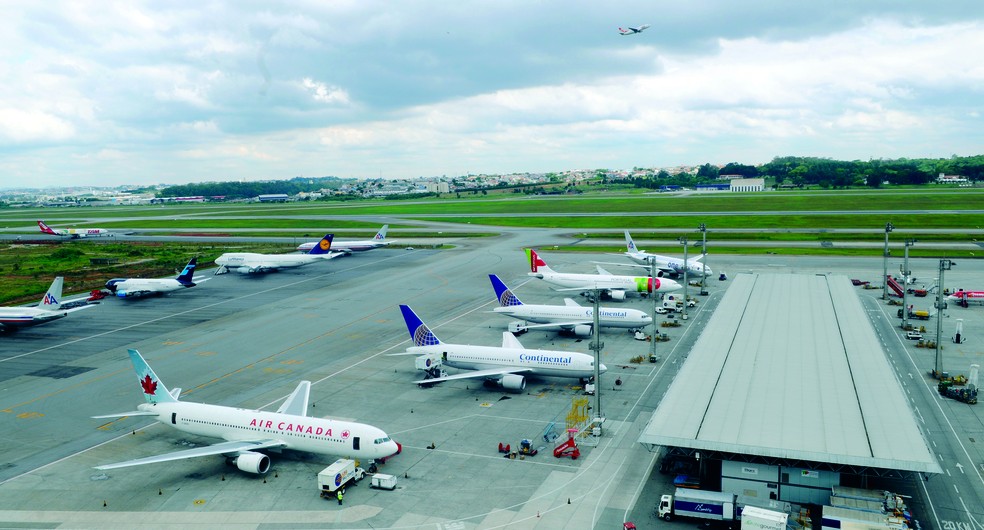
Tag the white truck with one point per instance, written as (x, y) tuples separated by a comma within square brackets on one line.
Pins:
[(891, 502), (755, 518), (713, 505), (834, 518), (338, 475), (383, 482)]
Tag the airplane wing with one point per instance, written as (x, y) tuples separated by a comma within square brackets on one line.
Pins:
[(664, 268), (125, 414), (559, 324), (510, 341), (477, 373), (215, 449), (602, 271), (297, 402), (569, 302)]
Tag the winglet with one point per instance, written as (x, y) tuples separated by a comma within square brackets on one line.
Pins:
[(419, 332), (52, 298), (188, 273), (45, 228), (297, 402), (503, 294), (153, 389), (323, 246)]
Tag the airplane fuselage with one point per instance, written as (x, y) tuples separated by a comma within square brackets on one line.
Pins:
[(132, 287), (539, 362), (301, 433), (547, 314), (19, 317), (694, 268), (248, 262), (639, 284), (345, 246)]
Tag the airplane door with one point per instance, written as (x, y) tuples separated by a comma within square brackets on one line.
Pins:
[(174, 418), (355, 443)]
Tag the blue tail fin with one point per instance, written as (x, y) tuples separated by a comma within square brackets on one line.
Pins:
[(503, 295), (188, 273), (153, 389), (419, 332), (323, 246)]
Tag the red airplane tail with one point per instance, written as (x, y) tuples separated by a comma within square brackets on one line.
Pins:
[(45, 228)]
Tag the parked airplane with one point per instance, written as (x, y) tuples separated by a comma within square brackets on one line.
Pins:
[(247, 431), (379, 240), (74, 233), (612, 285), (47, 310), (570, 317), (506, 366), (251, 263), (667, 266), (964, 298), (134, 287), (633, 31)]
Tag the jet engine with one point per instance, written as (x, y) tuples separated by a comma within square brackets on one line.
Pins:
[(582, 330), (617, 294), (251, 462), (512, 382), (243, 270)]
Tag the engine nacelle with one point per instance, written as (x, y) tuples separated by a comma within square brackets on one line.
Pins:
[(617, 294), (251, 462), (513, 382), (243, 270), (582, 330)]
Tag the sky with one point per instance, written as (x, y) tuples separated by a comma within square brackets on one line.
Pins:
[(131, 92)]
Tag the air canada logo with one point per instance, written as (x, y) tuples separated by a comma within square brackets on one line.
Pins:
[(346, 434), (149, 385), (324, 244)]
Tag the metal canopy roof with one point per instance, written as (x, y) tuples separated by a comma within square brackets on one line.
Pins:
[(789, 367)]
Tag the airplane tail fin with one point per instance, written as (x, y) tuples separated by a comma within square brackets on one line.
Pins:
[(45, 228), (186, 276), (381, 235), (629, 244), (153, 389), (536, 262), (503, 294), (52, 298), (419, 332), (323, 246)]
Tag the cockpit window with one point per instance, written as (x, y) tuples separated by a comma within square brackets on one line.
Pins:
[(378, 441)]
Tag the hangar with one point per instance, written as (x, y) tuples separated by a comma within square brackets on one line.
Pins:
[(786, 389)]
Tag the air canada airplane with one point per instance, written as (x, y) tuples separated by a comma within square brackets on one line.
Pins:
[(74, 233), (571, 317), (506, 366), (348, 247), (135, 287), (247, 431), (252, 263), (665, 265), (612, 285), (632, 31), (48, 309)]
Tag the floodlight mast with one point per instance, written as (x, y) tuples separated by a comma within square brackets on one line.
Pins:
[(905, 283), (888, 228), (596, 346), (686, 268), (945, 265), (652, 276), (703, 256)]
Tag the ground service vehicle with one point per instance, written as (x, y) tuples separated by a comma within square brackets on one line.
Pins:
[(755, 518), (913, 335), (383, 482), (338, 475), (843, 519), (713, 505)]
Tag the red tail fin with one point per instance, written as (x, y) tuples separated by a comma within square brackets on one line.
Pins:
[(45, 228)]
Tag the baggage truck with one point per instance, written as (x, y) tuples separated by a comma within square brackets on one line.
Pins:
[(833, 518), (701, 504), (383, 482), (338, 475), (755, 518), (892, 502)]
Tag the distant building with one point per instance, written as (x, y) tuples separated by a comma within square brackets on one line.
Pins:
[(952, 179), (713, 187), (747, 185)]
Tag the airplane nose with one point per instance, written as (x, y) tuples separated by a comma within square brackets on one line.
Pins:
[(602, 368)]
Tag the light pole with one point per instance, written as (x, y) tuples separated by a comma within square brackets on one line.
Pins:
[(945, 265), (686, 267), (703, 256), (888, 228), (652, 282), (596, 346), (905, 283)]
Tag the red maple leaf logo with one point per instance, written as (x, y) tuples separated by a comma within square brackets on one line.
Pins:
[(346, 434), (149, 385)]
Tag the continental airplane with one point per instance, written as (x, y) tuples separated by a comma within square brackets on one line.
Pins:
[(247, 431), (136, 287), (74, 233), (252, 263), (348, 247), (632, 31), (571, 317), (12, 318), (613, 285), (665, 265), (506, 366)]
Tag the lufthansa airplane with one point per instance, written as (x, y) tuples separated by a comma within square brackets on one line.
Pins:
[(379, 240), (252, 263)]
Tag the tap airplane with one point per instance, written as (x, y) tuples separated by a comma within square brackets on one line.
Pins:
[(964, 298), (632, 31), (665, 265), (50, 308), (571, 317), (136, 287), (348, 247), (247, 431), (74, 233), (613, 285), (506, 366), (252, 263)]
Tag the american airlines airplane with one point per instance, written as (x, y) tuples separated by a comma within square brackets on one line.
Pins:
[(612, 285), (74, 233), (571, 317), (379, 240), (12, 318), (667, 266), (506, 366), (252, 263), (136, 287), (247, 431)]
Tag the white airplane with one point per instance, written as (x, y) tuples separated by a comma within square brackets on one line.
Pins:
[(348, 247), (613, 285), (247, 431), (506, 366), (633, 31), (47, 310), (251, 263), (570, 317), (135, 287), (74, 233), (666, 266)]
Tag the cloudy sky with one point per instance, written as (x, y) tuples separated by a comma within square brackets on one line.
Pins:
[(129, 92)]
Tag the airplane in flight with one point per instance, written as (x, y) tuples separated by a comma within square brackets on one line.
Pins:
[(246, 431), (348, 247), (252, 263), (12, 318), (614, 286), (74, 233), (964, 298), (507, 366), (136, 287), (632, 31), (571, 317), (665, 265)]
